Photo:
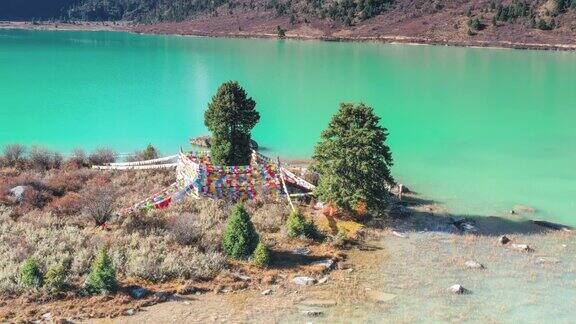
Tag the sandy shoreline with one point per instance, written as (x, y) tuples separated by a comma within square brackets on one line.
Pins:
[(386, 39)]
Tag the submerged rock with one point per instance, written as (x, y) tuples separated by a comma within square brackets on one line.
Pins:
[(471, 264), (458, 289), (503, 240), (304, 281), (521, 209)]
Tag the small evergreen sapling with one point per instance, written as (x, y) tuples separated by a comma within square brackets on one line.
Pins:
[(55, 279), (30, 273), (261, 256), (297, 225), (240, 237), (102, 277)]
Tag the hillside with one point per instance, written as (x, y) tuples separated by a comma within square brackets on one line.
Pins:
[(517, 23)]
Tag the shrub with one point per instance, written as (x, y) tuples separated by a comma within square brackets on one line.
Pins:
[(297, 225), (240, 237), (30, 273), (261, 256), (155, 258), (102, 156), (78, 157), (280, 32), (102, 277), (69, 204), (40, 158), (14, 154), (186, 229), (99, 203), (35, 197), (55, 279)]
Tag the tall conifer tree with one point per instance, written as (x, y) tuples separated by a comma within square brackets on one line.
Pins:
[(353, 160), (230, 117)]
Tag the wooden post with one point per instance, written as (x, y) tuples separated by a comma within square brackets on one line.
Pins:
[(284, 185), (400, 189)]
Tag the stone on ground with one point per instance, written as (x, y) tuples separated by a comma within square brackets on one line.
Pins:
[(458, 289), (304, 281), (471, 264)]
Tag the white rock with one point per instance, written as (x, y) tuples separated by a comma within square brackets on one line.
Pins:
[(326, 263), (304, 281), (457, 289), (323, 280), (471, 264), (401, 235), (267, 292), (522, 247)]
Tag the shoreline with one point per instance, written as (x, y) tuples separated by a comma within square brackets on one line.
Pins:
[(382, 39)]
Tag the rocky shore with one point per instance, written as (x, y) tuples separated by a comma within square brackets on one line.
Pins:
[(204, 28)]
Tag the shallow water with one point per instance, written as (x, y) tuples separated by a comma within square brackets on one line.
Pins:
[(477, 129)]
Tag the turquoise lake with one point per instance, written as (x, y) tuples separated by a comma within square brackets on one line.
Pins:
[(479, 130)]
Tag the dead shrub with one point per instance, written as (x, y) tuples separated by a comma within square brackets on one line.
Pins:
[(14, 155), (69, 204), (99, 203), (102, 156), (35, 198), (186, 229), (78, 157), (270, 217), (63, 182)]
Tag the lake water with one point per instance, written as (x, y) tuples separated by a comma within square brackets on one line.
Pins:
[(477, 129)]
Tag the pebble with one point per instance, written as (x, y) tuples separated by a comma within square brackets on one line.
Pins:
[(328, 264), (130, 312), (458, 289), (522, 247), (304, 281), (267, 292), (401, 235), (323, 280)]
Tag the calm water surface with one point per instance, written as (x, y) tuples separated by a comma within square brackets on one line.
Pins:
[(477, 129)]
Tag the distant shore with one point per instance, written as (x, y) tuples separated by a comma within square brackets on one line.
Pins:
[(174, 29)]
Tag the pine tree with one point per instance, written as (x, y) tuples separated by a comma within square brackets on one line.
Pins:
[(230, 117), (353, 160), (30, 273), (102, 277), (240, 237)]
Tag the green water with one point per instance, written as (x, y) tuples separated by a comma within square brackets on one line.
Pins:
[(477, 129)]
